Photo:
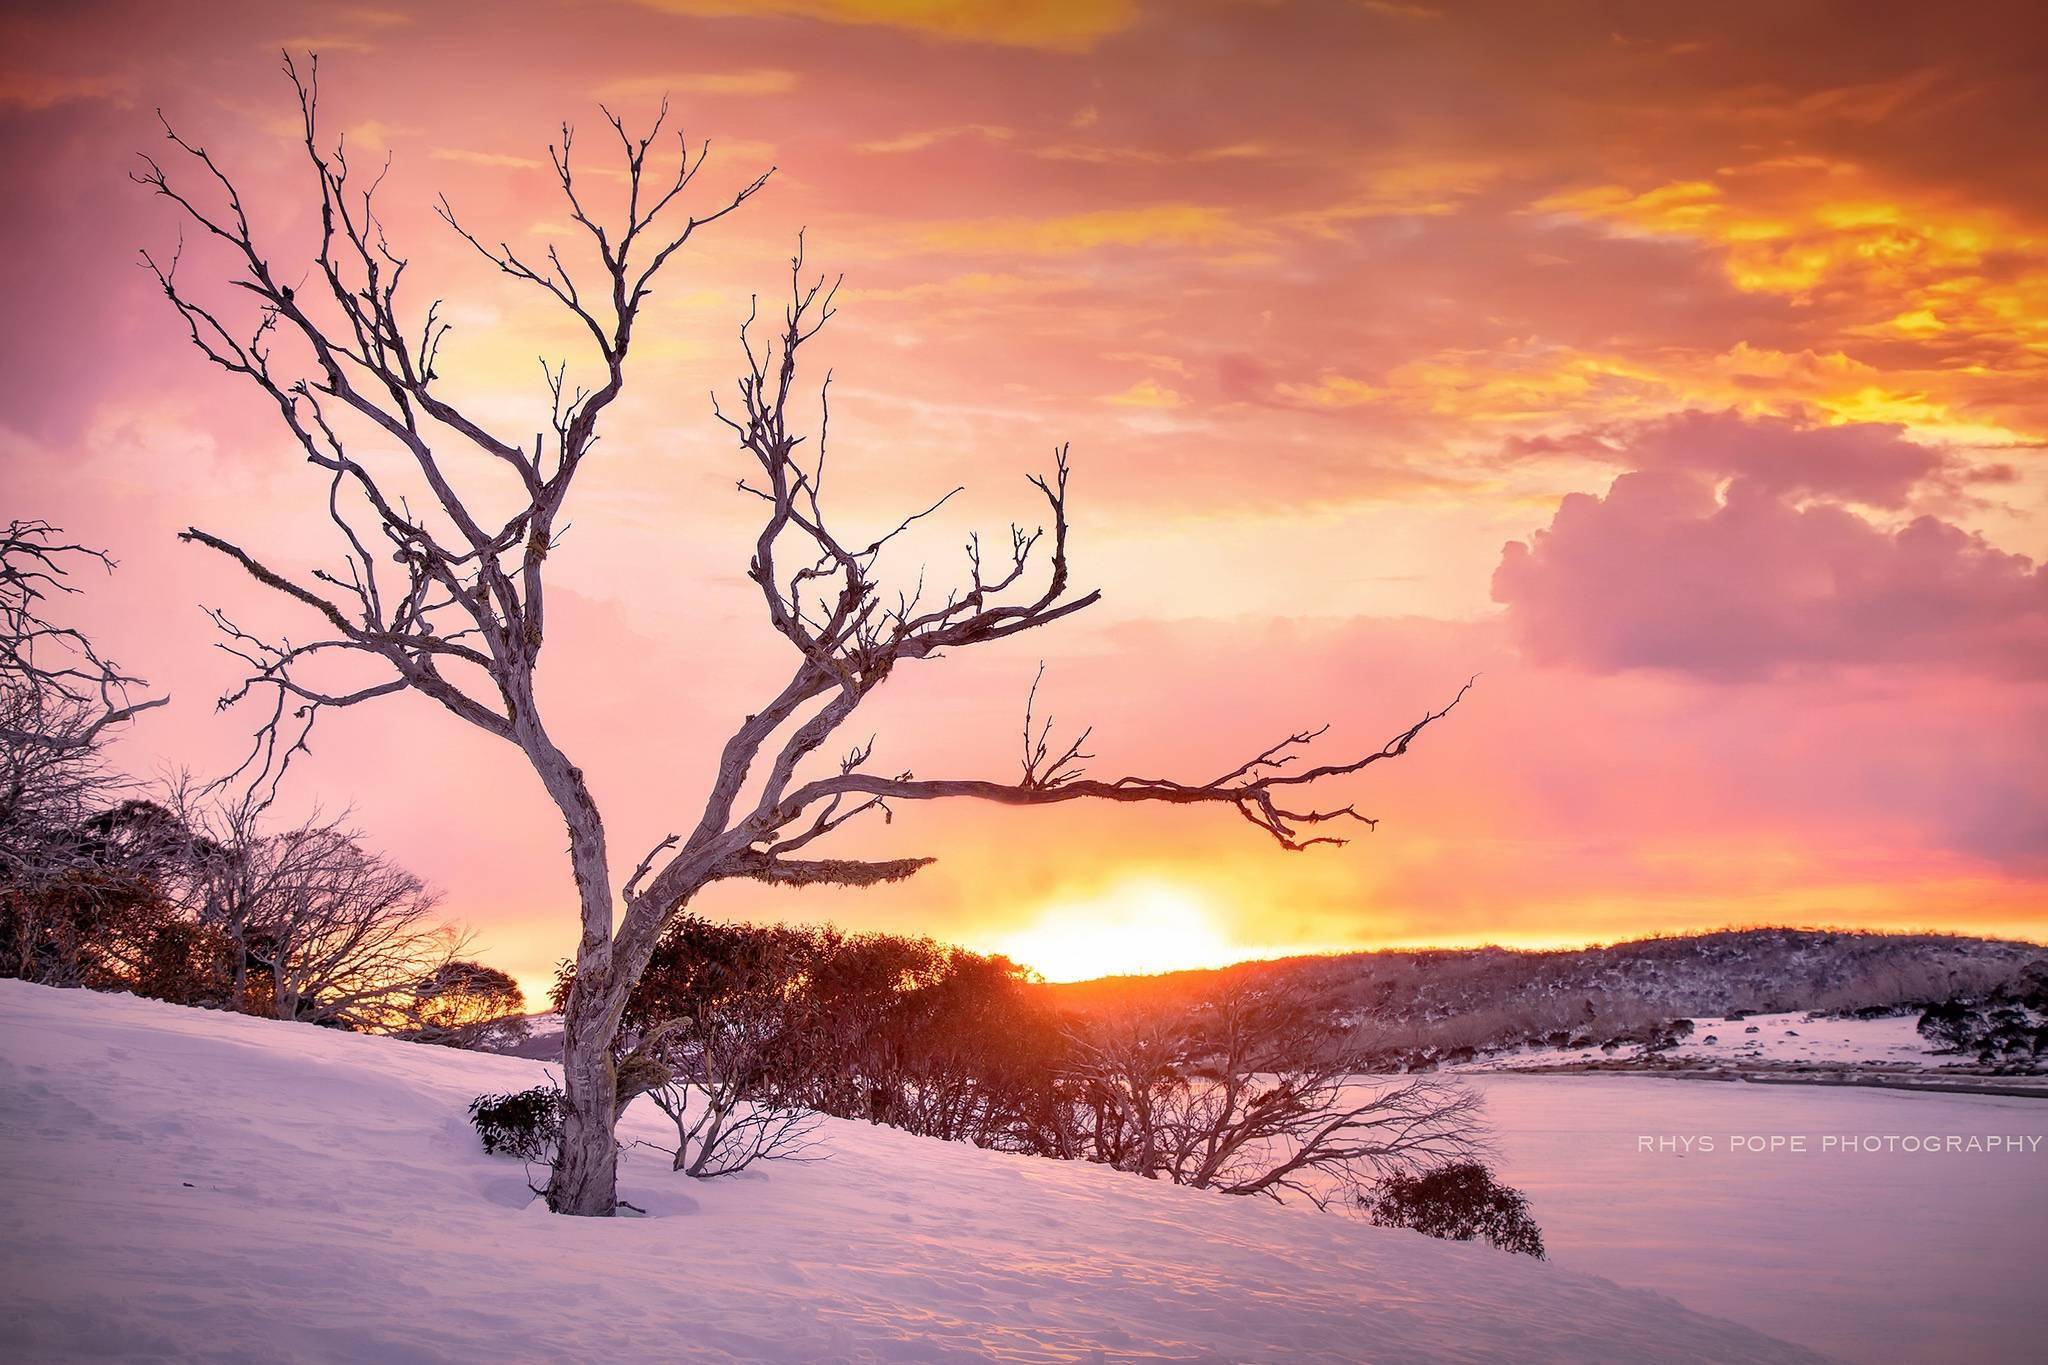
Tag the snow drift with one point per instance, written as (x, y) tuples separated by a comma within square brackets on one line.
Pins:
[(201, 1185)]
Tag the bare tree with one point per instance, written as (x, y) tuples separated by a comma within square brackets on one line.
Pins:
[(56, 663), (73, 874), (323, 930), (1246, 1095), (448, 598), (60, 699)]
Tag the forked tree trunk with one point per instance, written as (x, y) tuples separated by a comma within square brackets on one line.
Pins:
[(705, 1143)]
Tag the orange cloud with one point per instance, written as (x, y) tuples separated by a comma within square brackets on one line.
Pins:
[(505, 160), (45, 89), (763, 80), (1176, 225), (1421, 188), (1103, 154), (1333, 391), (1054, 25), (1146, 393), (918, 141), (1894, 264)]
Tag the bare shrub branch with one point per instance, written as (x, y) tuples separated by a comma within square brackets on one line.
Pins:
[(1245, 1094)]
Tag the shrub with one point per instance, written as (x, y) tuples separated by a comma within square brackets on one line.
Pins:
[(465, 1004), (526, 1124), (1457, 1202), (1950, 1024)]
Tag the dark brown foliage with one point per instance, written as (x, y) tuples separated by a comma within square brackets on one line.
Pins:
[(526, 1123), (738, 1031), (1460, 1202), (86, 904)]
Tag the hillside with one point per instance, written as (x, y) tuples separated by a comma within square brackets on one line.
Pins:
[(1430, 1004), (185, 1183)]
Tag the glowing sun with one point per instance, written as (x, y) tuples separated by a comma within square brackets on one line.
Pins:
[(1132, 929)]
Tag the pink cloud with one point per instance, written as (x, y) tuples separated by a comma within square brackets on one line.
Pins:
[(1673, 570), (1859, 462)]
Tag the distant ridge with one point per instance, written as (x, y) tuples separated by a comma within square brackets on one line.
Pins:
[(1436, 1001)]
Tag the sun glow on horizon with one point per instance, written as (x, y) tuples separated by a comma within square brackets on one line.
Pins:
[(1138, 928)]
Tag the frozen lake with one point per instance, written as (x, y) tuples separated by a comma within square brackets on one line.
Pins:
[(1865, 1255)]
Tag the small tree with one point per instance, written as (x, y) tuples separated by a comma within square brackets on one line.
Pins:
[(770, 1021), (67, 876), (864, 1039), (1460, 1202), (462, 1003), (324, 930), (186, 963), (87, 904), (1247, 1095), (963, 1055), (62, 695), (722, 1023), (442, 577), (1950, 1024)]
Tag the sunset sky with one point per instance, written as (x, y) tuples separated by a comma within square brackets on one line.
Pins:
[(1678, 370)]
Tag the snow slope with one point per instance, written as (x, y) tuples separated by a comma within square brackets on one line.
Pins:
[(182, 1183)]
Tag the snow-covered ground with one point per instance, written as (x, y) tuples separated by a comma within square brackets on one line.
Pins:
[(1869, 1255), (192, 1185), (1763, 1040), (1816, 1040)]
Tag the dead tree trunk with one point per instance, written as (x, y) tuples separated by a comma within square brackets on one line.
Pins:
[(586, 1174), (461, 620)]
